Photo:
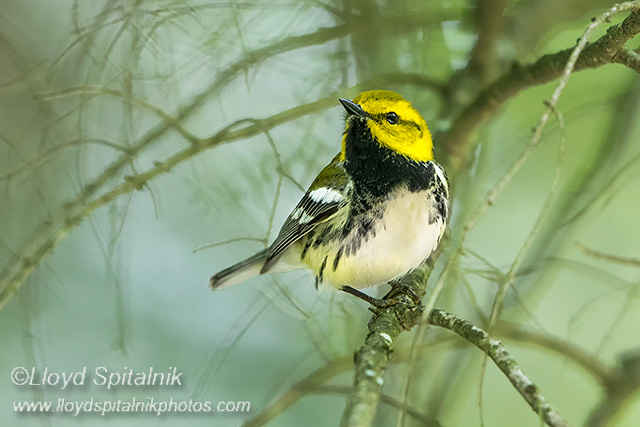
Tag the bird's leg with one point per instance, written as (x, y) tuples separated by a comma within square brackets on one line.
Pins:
[(376, 302), (397, 289)]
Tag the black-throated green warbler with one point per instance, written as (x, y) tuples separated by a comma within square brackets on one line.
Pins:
[(375, 213)]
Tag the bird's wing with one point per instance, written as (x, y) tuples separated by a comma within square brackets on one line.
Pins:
[(326, 196)]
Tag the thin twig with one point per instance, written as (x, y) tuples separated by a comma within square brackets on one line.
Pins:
[(226, 242), (402, 407), (609, 257), (171, 121), (533, 233), (35, 163)]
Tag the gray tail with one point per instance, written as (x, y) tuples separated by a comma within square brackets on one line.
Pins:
[(239, 272)]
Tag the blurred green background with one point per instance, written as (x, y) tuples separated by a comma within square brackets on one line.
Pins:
[(83, 83)]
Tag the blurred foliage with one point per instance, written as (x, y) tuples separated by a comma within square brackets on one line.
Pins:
[(93, 93)]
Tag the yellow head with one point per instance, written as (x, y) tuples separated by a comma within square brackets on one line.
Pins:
[(393, 122)]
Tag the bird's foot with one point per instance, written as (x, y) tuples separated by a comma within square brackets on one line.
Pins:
[(397, 295)]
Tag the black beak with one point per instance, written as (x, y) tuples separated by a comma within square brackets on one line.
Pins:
[(353, 108)]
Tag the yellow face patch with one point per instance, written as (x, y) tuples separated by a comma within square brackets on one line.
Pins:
[(394, 123)]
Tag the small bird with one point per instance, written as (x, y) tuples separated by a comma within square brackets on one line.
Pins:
[(371, 216)]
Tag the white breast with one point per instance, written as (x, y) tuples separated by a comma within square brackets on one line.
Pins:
[(407, 233)]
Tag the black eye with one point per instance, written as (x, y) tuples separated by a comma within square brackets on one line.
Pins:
[(392, 118)]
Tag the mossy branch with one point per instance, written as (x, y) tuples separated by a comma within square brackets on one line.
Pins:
[(384, 329), (503, 360), (372, 359)]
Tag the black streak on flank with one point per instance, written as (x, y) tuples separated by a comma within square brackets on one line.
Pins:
[(306, 248), (362, 227), (433, 215), (442, 206), (322, 267), (337, 259), (321, 236)]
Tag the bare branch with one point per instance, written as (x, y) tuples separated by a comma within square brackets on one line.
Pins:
[(489, 14), (547, 68)]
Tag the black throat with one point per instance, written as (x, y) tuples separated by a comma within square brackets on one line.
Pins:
[(377, 170)]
